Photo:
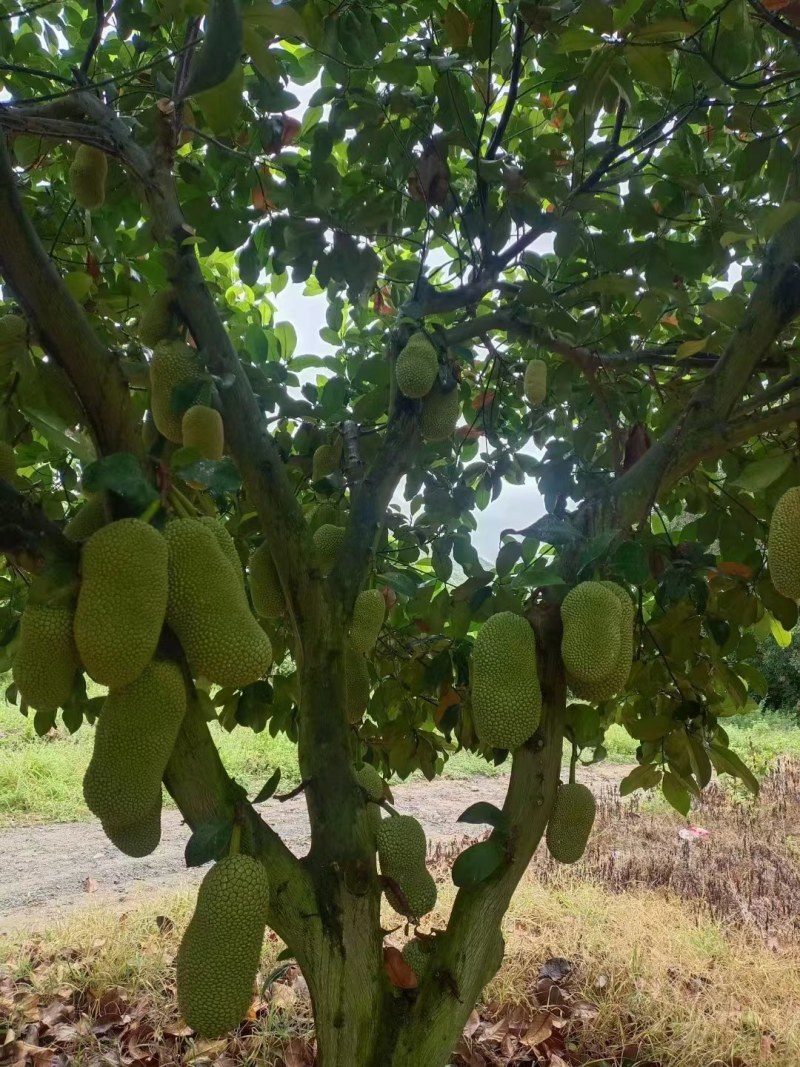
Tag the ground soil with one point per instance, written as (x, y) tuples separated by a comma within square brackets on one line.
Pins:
[(48, 870)]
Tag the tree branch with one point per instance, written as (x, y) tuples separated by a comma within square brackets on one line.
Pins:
[(513, 88), (97, 36), (61, 324)]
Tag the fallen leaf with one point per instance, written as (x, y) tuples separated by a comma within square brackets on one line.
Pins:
[(584, 1011), (282, 997), (165, 924), (540, 1028), (397, 970), (556, 969), (472, 1024)]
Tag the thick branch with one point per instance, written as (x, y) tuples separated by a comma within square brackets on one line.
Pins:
[(61, 324)]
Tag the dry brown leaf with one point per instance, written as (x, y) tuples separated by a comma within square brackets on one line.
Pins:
[(282, 997), (295, 1053), (55, 1012), (557, 969), (471, 1057), (397, 970), (429, 181), (539, 1029), (767, 1046), (584, 1011), (472, 1024), (497, 1031), (165, 924)]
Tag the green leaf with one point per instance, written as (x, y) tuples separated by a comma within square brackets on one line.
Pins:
[(763, 472), (649, 65), (120, 473), (507, 557), (486, 30), (577, 40), (752, 158), (727, 762), (43, 722), (551, 531), (286, 336), (676, 793), (209, 842), (630, 561), (645, 776), (456, 27), (269, 787), (219, 476), (484, 812), (220, 50), (477, 863)]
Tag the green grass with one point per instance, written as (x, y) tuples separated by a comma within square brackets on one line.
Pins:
[(41, 778)]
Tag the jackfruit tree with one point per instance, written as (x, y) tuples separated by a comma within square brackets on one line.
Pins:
[(543, 246)]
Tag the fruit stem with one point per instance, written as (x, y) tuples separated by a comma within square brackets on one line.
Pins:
[(236, 839)]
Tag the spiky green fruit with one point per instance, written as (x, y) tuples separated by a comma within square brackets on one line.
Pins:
[(357, 684), (8, 463), (370, 781), (535, 383), (326, 460), (417, 367), (138, 838), (369, 612), (226, 543), (46, 658), (591, 617), (134, 738), (174, 364), (202, 430), (208, 611), (87, 177), (158, 319), (265, 585), (88, 519), (327, 542), (616, 680), (219, 955), (326, 514), (417, 957), (122, 601), (783, 545), (570, 822), (401, 844), (417, 887), (439, 415), (506, 698)]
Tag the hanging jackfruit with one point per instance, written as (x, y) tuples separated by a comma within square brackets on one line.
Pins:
[(417, 367), (87, 177), (122, 601), (591, 617), (159, 318), (570, 822), (357, 684), (46, 659), (326, 460), (371, 782), (417, 957), (138, 838), (134, 738), (226, 543), (535, 383), (325, 514), (208, 610), (219, 955), (439, 415), (265, 585), (506, 698), (783, 545), (327, 542), (202, 430), (616, 680), (174, 364), (369, 612), (401, 851), (88, 519)]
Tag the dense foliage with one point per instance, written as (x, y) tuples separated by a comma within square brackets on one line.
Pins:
[(608, 188)]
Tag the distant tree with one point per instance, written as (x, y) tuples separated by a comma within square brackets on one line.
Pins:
[(608, 188)]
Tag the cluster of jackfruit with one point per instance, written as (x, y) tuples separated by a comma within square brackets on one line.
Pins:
[(401, 851), (570, 822), (783, 545), (46, 660), (591, 614), (535, 382), (87, 177), (220, 951), (174, 364), (598, 690), (506, 698)]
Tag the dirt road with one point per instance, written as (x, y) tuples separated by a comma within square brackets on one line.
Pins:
[(47, 870)]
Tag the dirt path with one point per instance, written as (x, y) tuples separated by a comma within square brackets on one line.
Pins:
[(47, 870)]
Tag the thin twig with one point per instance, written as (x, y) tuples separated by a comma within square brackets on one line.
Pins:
[(298, 789), (513, 89), (97, 35)]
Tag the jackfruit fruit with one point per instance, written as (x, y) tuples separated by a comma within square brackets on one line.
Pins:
[(219, 955), (783, 545), (46, 658), (208, 610), (535, 383), (157, 322), (369, 612), (401, 844), (417, 367), (416, 957), (8, 463), (326, 514), (173, 364), (138, 838), (370, 781), (87, 177), (357, 684), (202, 430), (88, 519), (591, 616), (439, 415), (327, 542), (418, 888), (122, 601), (570, 822), (226, 543), (326, 460), (616, 680), (134, 738), (506, 698), (265, 586)]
